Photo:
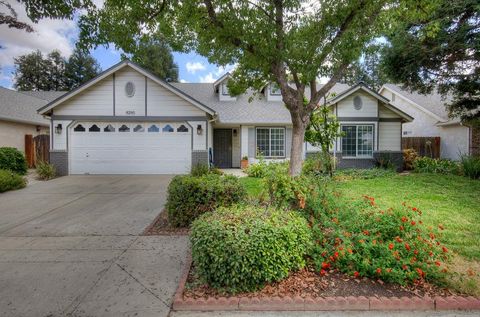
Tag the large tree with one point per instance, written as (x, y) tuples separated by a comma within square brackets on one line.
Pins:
[(153, 53), (29, 71), (440, 51), (80, 68), (290, 42)]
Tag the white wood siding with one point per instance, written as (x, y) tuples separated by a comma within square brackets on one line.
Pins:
[(369, 108), (60, 140), (124, 105), (384, 112), (199, 140), (94, 101), (389, 136), (161, 102), (236, 147)]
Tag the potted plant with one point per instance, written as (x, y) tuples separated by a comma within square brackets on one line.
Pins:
[(244, 162)]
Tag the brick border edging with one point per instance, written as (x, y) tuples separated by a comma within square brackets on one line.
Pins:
[(317, 303)]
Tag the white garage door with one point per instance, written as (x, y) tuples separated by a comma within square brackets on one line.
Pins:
[(130, 148)]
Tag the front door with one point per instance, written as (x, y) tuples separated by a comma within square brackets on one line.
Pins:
[(222, 148)]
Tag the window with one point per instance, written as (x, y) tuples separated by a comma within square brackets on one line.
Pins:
[(153, 128), (182, 128), (271, 142), (167, 128), (94, 128), (139, 128), (275, 89), (357, 140), (225, 89), (79, 128), (124, 128), (109, 128)]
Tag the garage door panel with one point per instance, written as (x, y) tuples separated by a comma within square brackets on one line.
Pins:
[(130, 152)]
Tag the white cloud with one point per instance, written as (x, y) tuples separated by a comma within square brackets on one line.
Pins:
[(48, 35), (219, 72), (194, 67), (183, 81), (208, 78)]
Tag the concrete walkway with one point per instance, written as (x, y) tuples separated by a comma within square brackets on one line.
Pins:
[(71, 247)]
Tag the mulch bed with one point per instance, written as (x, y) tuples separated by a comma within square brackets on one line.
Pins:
[(308, 283), (161, 227)]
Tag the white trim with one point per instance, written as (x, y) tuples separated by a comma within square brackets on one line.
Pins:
[(413, 103), (270, 142), (115, 69), (374, 133), (221, 79)]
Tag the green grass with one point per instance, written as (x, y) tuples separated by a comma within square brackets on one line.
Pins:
[(253, 186), (452, 201)]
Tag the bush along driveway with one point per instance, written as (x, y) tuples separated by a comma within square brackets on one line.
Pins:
[(71, 246), (356, 247)]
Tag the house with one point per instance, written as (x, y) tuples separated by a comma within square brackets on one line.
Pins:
[(128, 121), (19, 117), (431, 120)]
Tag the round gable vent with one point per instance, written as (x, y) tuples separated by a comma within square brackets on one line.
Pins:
[(357, 103), (129, 89)]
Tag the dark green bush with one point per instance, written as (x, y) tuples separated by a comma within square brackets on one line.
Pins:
[(45, 170), (430, 165), (10, 181), (200, 170), (348, 174), (241, 248), (189, 197), (471, 166), (313, 166), (13, 160)]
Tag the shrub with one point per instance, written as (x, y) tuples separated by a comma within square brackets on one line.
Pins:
[(313, 166), (470, 166), (349, 174), (199, 170), (409, 156), (384, 161), (241, 248), (45, 170), (260, 169), (189, 197), (13, 160), (9, 181), (430, 165), (362, 240)]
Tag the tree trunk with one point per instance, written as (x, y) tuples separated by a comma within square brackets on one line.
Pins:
[(298, 137)]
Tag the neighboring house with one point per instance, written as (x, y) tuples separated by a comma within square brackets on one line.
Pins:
[(431, 120), (19, 117), (128, 121)]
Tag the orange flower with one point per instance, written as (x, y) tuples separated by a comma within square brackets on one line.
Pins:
[(401, 228), (356, 274), (404, 267), (415, 252), (366, 232), (323, 272), (420, 272), (412, 223), (379, 270), (390, 246), (432, 236), (398, 239), (350, 251), (335, 254), (414, 209), (404, 219), (444, 249), (361, 241), (407, 246), (389, 270), (437, 263)]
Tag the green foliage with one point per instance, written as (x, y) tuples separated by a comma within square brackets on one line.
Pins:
[(313, 165), (370, 173), (439, 51), (10, 181), (430, 165), (154, 54), (53, 72), (261, 168), (189, 196), (13, 160), (241, 248), (409, 156), (360, 239), (199, 170), (384, 161), (45, 170), (470, 166)]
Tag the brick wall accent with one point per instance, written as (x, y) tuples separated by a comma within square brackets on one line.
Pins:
[(199, 157), (59, 159), (475, 141)]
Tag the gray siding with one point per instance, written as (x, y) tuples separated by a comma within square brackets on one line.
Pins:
[(199, 158), (59, 159)]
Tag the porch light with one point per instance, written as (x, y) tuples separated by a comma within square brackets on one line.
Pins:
[(199, 129), (58, 129)]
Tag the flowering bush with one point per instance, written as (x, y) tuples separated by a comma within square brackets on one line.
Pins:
[(360, 239), (430, 165)]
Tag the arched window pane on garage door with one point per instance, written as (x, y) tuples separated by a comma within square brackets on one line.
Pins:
[(94, 128), (124, 128), (109, 128), (139, 128), (182, 128), (79, 128), (167, 128), (153, 128)]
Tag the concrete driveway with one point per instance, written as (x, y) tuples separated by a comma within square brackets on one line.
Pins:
[(71, 246)]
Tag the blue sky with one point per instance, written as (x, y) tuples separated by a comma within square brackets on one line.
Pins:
[(61, 35)]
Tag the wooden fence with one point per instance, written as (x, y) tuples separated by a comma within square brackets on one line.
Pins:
[(424, 146), (37, 149)]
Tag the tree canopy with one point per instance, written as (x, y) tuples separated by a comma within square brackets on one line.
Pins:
[(34, 71), (440, 51)]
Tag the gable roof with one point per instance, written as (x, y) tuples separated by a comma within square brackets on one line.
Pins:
[(221, 79), (432, 104), (115, 68), (361, 86), (44, 95), (19, 107)]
